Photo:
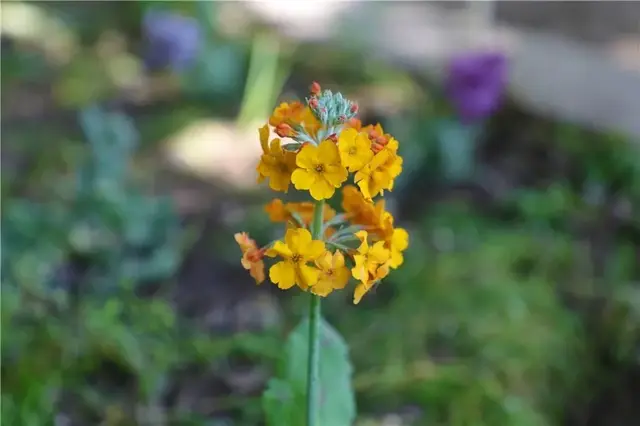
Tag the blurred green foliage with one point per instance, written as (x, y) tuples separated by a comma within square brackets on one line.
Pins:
[(518, 303)]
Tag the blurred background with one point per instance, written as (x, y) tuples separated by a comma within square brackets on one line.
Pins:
[(129, 144)]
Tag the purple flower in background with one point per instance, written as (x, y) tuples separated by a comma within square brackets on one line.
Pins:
[(172, 40), (475, 83)]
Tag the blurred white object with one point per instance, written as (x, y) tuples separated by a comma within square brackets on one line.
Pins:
[(307, 20)]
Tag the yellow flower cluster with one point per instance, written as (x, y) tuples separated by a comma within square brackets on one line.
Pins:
[(322, 145)]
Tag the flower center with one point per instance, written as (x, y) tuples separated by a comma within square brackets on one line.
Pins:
[(296, 258), (320, 168), (353, 150)]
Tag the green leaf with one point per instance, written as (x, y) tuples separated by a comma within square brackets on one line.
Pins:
[(282, 405), (284, 400)]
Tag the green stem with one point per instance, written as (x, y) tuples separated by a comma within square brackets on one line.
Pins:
[(313, 370)]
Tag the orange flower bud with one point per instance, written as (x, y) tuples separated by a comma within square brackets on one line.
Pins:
[(354, 123), (284, 130), (354, 108), (381, 140), (376, 147), (315, 88)]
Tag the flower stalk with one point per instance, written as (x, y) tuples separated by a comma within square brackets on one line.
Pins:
[(313, 368)]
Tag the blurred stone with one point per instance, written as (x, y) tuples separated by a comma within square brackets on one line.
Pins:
[(214, 149), (246, 381), (592, 21), (586, 84), (626, 51)]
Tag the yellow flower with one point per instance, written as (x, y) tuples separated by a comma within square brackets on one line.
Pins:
[(378, 222), (371, 265), (393, 164), (297, 250), (355, 149), (251, 256), (334, 275), (319, 170), (276, 163), (380, 172), (396, 240)]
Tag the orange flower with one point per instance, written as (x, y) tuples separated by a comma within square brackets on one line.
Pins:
[(287, 117), (285, 113), (282, 212), (251, 256), (360, 211)]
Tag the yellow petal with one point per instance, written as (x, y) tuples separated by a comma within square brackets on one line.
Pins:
[(275, 148), (379, 253), (335, 175), (362, 235), (341, 278), (264, 138), (307, 157), (363, 143), (324, 261), (303, 179), (279, 182), (279, 249), (283, 274), (328, 153), (359, 271), (297, 239), (379, 159), (307, 276), (360, 291), (338, 260), (314, 249), (382, 271), (321, 190), (363, 248), (347, 136), (396, 259), (392, 145), (364, 187), (323, 287), (400, 239)]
